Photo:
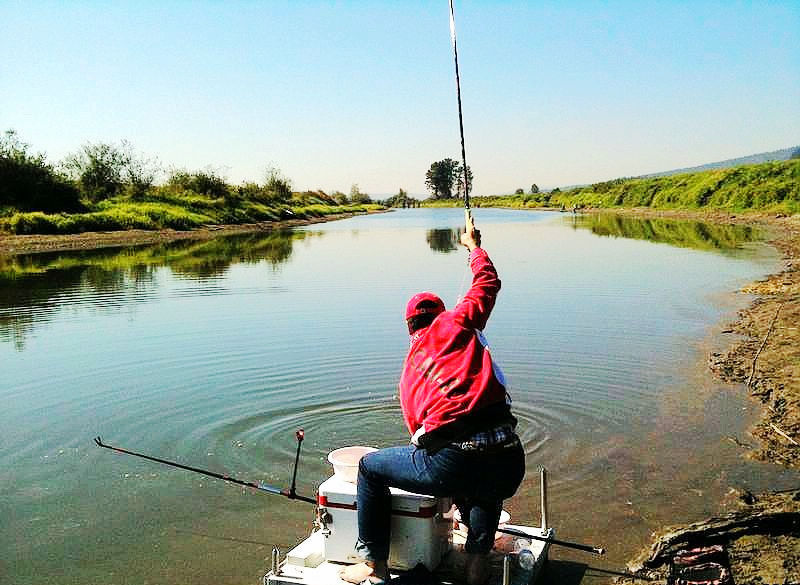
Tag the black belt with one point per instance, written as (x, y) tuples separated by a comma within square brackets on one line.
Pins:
[(511, 442)]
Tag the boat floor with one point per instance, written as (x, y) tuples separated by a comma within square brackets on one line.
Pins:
[(305, 565)]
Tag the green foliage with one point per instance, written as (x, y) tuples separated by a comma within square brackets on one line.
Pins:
[(517, 201), (205, 182), (104, 170), (443, 175), (770, 186), (278, 187), (340, 198), (164, 209), (357, 197), (131, 215), (28, 182), (119, 193), (402, 199)]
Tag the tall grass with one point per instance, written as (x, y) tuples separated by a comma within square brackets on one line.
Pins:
[(166, 208), (770, 186)]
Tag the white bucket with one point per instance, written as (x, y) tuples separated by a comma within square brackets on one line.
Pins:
[(345, 461)]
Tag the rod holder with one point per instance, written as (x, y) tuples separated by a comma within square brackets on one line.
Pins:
[(506, 570), (275, 560), (543, 488)]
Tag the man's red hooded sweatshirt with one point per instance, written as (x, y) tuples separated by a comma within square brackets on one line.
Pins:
[(449, 385)]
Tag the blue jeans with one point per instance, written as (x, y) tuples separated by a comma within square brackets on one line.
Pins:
[(477, 481)]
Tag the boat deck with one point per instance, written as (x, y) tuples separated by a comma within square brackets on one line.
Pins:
[(514, 561)]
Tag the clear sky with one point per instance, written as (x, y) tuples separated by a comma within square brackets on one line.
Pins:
[(336, 93)]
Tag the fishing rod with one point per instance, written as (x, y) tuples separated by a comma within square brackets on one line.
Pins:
[(584, 547), (467, 212), (291, 493)]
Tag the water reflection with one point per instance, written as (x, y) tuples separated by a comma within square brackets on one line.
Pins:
[(34, 286), (681, 233), (443, 240)]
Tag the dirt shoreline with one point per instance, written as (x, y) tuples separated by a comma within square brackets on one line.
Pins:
[(763, 357), (36, 243)]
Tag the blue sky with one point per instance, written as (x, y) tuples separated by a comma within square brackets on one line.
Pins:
[(336, 93)]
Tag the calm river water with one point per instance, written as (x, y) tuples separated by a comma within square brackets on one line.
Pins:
[(214, 353)]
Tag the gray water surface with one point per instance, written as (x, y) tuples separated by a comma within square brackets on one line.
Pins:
[(213, 353)]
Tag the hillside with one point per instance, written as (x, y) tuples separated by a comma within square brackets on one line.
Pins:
[(768, 187), (775, 155)]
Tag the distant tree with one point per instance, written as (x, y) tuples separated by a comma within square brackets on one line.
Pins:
[(795, 153), (556, 190), (402, 199), (440, 178), (443, 175), (519, 191), (357, 197), (534, 189), (98, 170), (207, 182), (340, 198), (276, 185), (140, 172), (460, 180), (103, 170), (29, 183)]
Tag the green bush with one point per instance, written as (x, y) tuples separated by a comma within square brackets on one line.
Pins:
[(201, 182), (29, 183)]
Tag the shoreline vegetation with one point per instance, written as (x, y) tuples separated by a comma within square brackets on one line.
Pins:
[(770, 187), (109, 187)]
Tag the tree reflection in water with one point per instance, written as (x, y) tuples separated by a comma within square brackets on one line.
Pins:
[(33, 287), (675, 232), (443, 240)]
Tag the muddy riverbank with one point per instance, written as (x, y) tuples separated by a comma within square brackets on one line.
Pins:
[(763, 359)]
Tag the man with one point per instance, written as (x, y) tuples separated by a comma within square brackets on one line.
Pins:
[(455, 405)]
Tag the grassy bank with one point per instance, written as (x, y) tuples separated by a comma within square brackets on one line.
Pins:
[(110, 187), (164, 208), (772, 187)]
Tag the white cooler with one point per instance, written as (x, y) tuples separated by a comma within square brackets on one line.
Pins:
[(420, 531)]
